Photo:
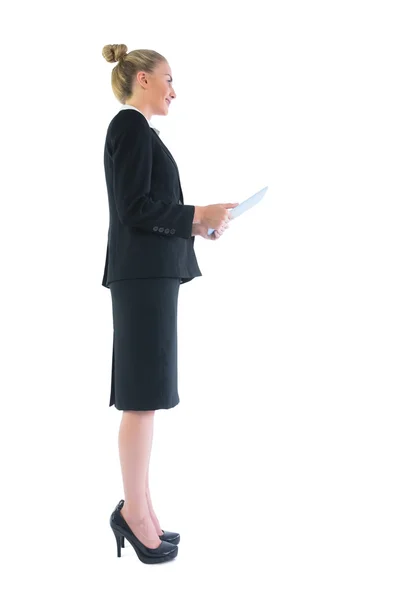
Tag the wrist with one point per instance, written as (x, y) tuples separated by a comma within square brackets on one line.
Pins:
[(198, 214)]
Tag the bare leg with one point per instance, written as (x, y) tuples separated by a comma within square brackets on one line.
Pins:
[(150, 505), (135, 441)]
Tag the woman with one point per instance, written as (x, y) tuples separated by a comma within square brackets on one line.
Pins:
[(149, 254)]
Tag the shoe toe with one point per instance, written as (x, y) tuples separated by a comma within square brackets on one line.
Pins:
[(166, 549), (170, 536)]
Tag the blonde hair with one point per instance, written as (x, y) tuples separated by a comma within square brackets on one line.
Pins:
[(129, 64)]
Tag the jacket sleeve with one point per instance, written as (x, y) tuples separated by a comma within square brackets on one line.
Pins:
[(132, 157)]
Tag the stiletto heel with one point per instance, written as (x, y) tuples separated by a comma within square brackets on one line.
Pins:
[(164, 552), (120, 541)]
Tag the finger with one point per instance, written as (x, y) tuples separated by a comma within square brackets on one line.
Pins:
[(231, 205)]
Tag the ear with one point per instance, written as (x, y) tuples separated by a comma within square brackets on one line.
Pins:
[(142, 78)]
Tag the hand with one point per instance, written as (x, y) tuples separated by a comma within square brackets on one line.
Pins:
[(202, 230), (214, 216)]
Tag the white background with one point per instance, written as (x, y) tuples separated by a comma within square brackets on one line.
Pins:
[(280, 466)]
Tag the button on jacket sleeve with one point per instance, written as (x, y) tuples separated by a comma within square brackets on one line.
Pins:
[(131, 148)]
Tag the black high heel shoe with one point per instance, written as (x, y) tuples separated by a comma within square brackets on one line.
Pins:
[(167, 536), (121, 529)]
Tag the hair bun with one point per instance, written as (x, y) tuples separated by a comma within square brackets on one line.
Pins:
[(114, 52)]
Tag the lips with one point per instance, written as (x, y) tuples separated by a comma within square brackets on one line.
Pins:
[(168, 101)]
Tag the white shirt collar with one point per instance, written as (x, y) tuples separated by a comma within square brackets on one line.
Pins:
[(134, 108)]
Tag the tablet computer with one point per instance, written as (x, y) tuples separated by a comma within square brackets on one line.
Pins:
[(246, 205)]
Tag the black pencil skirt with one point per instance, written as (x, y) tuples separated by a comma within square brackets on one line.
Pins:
[(144, 358)]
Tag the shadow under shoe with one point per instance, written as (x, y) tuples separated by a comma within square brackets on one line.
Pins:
[(165, 551)]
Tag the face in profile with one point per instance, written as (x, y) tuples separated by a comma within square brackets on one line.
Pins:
[(162, 91)]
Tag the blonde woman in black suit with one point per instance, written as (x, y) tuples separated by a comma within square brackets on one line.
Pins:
[(150, 253)]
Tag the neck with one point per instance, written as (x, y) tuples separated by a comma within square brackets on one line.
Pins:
[(140, 106)]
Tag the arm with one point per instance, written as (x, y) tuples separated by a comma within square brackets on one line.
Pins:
[(132, 163)]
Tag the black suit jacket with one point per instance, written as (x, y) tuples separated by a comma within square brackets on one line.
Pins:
[(150, 229)]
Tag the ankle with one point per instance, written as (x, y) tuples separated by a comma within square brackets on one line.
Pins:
[(133, 515), (135, 509)]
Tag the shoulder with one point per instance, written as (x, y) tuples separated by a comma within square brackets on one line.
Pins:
[(127, 120)]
